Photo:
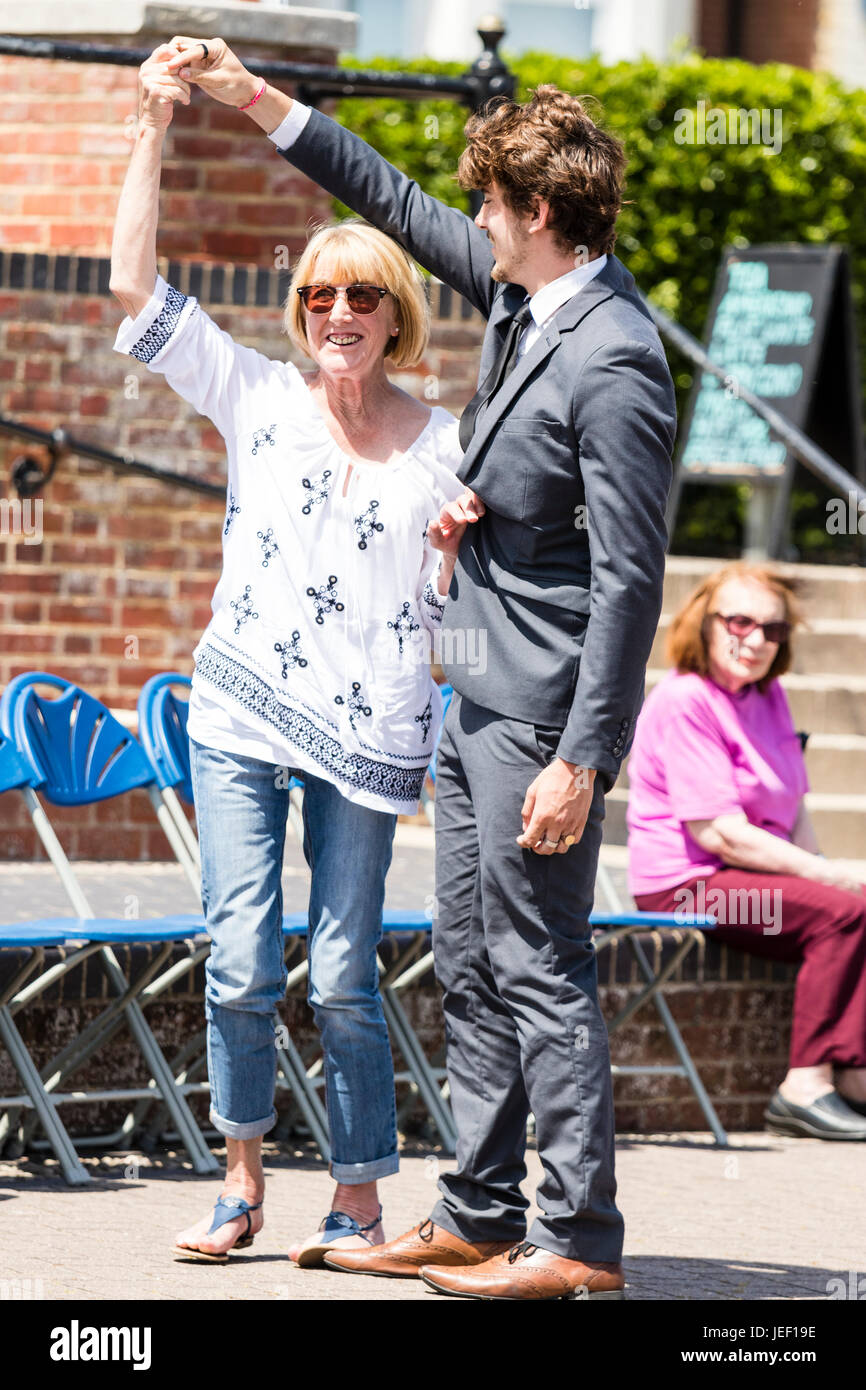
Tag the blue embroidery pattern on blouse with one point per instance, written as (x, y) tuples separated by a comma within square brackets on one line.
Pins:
[(325, 599), (269, 547), (355, 770), (425, 719), (436, 607), (263, 437), (404, 625), (232, 512), (355, 703), (243, 607), (366, 525), (318, 488), (162, 328), (290, 652)]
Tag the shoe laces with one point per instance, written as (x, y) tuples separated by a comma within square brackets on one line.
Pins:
[(426, 1235), (524, 1248)]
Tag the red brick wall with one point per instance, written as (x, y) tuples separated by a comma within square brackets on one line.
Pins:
[(734, 1013), (779, 31), (123, 557), (65, 148)]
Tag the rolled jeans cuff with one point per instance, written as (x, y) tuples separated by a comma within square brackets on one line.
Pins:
[(354, 1173), (250, 1129)]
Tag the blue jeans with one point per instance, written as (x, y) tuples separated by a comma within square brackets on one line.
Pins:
[(241, 808)]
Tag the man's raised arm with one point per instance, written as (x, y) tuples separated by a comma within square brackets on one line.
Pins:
[(444, 240)]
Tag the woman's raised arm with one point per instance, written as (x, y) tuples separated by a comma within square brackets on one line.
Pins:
[(133, 247)]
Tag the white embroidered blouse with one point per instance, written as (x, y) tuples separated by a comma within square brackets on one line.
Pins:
[(318, 652)]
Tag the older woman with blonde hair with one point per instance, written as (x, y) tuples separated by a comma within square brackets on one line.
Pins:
[(316, 663), (717, 822)]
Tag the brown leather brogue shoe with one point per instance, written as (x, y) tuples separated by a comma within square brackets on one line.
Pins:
[(526, 1271), (425, 1244)]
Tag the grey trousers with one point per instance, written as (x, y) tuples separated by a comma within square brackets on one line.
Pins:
[(524, 1031)]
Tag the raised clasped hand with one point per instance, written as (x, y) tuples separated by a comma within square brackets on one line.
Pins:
[(159, 89), (219, 72)]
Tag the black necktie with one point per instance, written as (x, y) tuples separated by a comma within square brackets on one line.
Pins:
[(501, 368)]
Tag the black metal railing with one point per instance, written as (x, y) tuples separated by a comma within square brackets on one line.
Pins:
[(488, 75), (31, 471), (800, 445)]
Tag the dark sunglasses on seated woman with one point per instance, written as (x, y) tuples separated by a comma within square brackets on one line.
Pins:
[(361, 299), (740, 626)]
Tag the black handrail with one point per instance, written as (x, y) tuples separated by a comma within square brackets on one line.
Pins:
[(488, 76), (29, 474)]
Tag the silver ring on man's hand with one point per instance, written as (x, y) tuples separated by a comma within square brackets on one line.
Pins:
[(204, 46), (551, 844)]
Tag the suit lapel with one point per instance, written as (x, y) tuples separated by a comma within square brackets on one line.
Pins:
[(493, 413)]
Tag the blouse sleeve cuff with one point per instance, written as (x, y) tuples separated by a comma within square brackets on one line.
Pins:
[(164, 316)]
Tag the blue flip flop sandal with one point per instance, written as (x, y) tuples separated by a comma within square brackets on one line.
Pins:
[(232, 1207), (335, 1227)]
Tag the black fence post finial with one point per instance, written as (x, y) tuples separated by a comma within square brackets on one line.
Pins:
[(489, 75)]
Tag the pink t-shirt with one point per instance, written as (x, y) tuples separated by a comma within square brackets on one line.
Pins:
[(701, 752)]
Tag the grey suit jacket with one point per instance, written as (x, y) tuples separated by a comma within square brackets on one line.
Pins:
[(557, 589)]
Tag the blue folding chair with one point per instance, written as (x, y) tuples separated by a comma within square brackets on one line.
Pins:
[(621, 924), (75, 752), (162, 733), (33, 939), (611, 925), (411, 930), (162, 730)]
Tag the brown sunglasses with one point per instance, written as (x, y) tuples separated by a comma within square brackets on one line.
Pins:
[(739, 625), (361, 299)]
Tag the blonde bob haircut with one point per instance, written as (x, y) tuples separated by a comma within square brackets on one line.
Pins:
[(687, 647), (361, 254)]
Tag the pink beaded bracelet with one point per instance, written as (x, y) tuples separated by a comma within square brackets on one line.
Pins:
[(255, 98)]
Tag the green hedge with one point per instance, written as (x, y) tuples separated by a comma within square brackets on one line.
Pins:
[(685, 202)]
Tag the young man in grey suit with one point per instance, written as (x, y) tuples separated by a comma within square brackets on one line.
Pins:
[(555, 592)]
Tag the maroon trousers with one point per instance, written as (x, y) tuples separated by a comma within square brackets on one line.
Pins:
[(789, 918)]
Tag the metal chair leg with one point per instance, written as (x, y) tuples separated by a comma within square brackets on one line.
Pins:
[(73, 1170), (688, 1066)]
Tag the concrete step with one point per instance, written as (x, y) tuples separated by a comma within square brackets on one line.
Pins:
[(839, 821), (829, 644), (829, 591), (820, 704), (836, 763)]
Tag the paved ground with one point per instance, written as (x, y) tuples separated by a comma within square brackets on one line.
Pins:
[(771, 1219), (149, 890)]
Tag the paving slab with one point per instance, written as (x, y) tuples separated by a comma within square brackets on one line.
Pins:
[(769, 1219)]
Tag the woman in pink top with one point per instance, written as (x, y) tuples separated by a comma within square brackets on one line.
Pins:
[(717, 823)]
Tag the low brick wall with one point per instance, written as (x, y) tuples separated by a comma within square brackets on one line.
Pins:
[(733, 1011)]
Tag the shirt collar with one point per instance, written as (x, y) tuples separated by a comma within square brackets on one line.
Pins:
[(551, 297)]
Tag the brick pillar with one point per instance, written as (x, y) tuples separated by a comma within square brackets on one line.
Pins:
[(118, 586), (775, 31)]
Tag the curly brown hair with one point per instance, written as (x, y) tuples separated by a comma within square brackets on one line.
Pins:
[(549, 149)]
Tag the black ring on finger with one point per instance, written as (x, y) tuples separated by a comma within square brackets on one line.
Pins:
[(204, 46)]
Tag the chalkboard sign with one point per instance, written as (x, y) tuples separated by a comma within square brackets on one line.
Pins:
[(780, 323)]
